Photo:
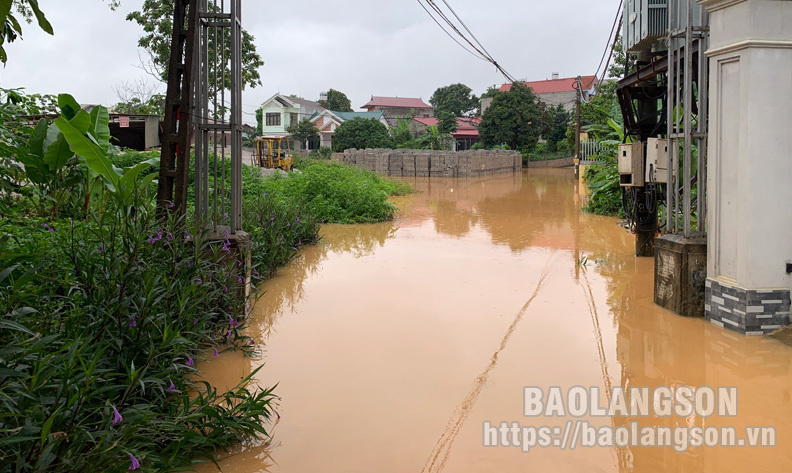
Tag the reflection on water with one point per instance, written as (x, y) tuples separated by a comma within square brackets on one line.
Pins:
[(391, 344)]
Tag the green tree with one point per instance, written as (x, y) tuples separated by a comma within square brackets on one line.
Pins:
[(618, 69), (259, 121), (457, 99), (513, 118), (14, 11), (336, 102), (435, 139), (491, 92), (402, 134), (446, 121), (11, 27), (361, 133), (304, 131), (556, 128), (156, 18)]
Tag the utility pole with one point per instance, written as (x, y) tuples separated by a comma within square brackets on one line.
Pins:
[(578, 87)]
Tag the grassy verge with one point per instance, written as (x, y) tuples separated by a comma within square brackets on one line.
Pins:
[(336, 192)]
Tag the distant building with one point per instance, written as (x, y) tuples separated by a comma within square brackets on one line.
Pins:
[(466, 134), (328, 121), (557, 91), (396, 107), (281, 111)]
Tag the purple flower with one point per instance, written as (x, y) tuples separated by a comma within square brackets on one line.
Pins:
[(232, 322), (45, 225), (116, 416), (228, 334), (225, 216), (255, 272), (272, 219), (198, 281), (186, 235), (189, 264), (170, 236), (190, 361), (101, 249), (172, 387), (135, 263), (240, 280), (152, 240), (215, 353), (51, 229), (171, 205), (298, 219), (132, 322), (135, 463), (299, 243), (259, 218), (195, 321)]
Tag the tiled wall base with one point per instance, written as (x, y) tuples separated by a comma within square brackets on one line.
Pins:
[(750, 312)]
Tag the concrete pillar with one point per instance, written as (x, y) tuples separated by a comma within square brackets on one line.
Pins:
[(750, 164)]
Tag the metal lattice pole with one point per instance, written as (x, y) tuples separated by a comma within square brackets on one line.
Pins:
[(218, 120)]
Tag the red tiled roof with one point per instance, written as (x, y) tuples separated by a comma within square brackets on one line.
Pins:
[(555, 85), (467, 127), (395, 102)]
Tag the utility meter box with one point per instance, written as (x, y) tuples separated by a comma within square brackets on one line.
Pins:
[(657, 161), (631, 164)]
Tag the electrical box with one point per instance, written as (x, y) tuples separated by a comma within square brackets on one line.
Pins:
[(631, 164), (657, 161)]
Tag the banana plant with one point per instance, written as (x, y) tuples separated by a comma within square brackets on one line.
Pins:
[(88, 136)]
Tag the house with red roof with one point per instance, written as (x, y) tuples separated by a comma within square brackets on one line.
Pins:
[(399, 107), (557, 91), (466, 134)]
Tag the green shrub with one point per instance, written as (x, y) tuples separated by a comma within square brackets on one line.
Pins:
[(602, 179), (277, 229), (337, 193), (103, 321)]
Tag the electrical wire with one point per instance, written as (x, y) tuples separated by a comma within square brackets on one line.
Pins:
[(476, 49), (611, 39), (449, 34)]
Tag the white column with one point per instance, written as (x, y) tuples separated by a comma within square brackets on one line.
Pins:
[(750, 163)]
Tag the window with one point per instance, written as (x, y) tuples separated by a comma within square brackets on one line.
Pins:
[(294, 118), (273, 119)]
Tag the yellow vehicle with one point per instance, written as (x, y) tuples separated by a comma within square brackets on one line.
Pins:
[(273, 152)]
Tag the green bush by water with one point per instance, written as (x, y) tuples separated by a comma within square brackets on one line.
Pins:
[(602, 179), (104, 321), (337, 193)]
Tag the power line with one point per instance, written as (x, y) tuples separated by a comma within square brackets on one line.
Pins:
[(480, 51), (619, 18), (449, 34)]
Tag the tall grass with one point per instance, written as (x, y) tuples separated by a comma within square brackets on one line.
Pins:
[(337, 192)]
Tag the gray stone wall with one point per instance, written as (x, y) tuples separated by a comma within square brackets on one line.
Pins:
[(427, 163), (751, 312)]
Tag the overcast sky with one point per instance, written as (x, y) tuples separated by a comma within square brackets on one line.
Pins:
[(360, 47)]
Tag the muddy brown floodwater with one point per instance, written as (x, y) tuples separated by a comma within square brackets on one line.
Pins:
[(393, 343)]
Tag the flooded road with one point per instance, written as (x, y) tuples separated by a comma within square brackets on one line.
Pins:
[(392, 344)]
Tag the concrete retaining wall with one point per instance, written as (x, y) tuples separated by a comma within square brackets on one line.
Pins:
[(427, 163), (552, 163)]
